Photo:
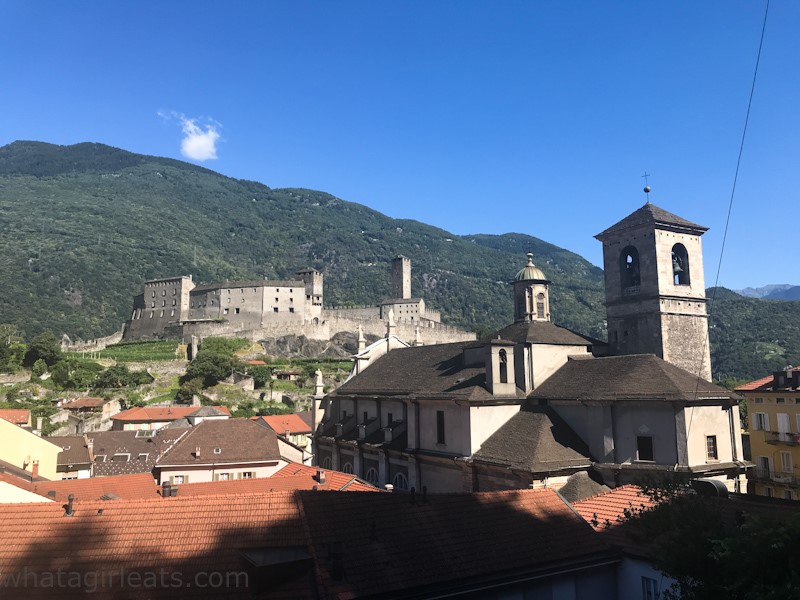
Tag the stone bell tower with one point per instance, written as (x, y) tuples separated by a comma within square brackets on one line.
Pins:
[(655, 289), (531, 295)]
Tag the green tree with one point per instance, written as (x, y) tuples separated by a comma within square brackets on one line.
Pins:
[(261, 375), (45, 346), (70, 374), (39, 368), (189, 389), (210, 368)]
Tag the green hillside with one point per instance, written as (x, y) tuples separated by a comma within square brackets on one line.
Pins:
[(83, 226)]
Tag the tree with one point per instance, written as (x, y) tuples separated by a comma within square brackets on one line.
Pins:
[(210, 368), (39, 368), (70, 374), (45, 346)]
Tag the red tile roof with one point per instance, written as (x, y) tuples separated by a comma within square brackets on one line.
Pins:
[(765, 383), (255, 362), (299, 479), (139, 485), (160, 413), (83, 403), (281, 423), (17, 416), (385, 543), (609, 508), (185, 540)]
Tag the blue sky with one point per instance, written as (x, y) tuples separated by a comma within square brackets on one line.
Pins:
[(477, 117)]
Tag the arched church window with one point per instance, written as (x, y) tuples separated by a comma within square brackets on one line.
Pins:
[(503, 367), (326, 462), (540, 306), (629, 270), (680, 265), (372, 476), (400, 481), (348, 468)]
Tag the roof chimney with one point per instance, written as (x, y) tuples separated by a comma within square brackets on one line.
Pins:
[(779, 379), (39, 424), (68, 510), (166, 489), (35, 470), (321, 476), (389, 487), (197, 452)]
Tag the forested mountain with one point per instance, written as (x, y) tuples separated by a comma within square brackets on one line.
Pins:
[(83, 226)]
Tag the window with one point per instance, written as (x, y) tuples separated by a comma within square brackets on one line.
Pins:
[(503, 367), (163, 303), (629, 270), (390, 420), (217, 450), (649, 588), (680, 265), (780, 400), (247, 475), (768, 492), (786, 462), (177, 479), (759, 400), (275, 309), (224, 311), (644, 447), (326, 462), (440, 427), (163, 292), (100, 458), (540, 306), (224, 476), (372, 476), (162, 313), (291, 309), (121, 457), (172, 313), (366, 416), (400, 481), (711, 447), (174, 302), (142, 457), (787, 494), (276, 299), (348, 468), (154, 294), (760, 421), (152, 305), (237, 310)]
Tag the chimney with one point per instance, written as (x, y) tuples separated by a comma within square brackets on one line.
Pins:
[(387, 434), (321, 477), (35, 470), (68, 510), (286, 433), (389, 487), (166, 489), (39, 424), (197, 453)]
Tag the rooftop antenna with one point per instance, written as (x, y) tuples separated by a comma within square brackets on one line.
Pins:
[(646, 186)]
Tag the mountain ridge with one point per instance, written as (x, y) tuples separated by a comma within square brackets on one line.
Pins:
[(83, 226)]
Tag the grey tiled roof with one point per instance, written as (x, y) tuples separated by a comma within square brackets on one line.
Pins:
[(73, 449), (435, 371), (291, 283), (108, 443), (580, 486), (639, 376), (544, 332), (536, 439), (652, 215)]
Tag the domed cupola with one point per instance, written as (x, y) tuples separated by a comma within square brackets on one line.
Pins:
[(531, 296)]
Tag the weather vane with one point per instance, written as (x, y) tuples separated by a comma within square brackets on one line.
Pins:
[(646, 186)]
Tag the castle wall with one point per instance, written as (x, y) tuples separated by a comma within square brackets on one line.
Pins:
[(165, 302)]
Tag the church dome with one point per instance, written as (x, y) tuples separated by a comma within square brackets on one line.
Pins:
[(530, 272)]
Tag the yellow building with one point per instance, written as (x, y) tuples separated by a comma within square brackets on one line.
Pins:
[(773, 409), (22, 451)]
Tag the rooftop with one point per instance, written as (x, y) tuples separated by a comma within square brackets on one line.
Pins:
[(650, 214), (280, 424), (223, 442), (17, 416), (161, 413), (139, 485)]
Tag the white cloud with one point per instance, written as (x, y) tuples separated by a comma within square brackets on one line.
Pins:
[(199, 139)]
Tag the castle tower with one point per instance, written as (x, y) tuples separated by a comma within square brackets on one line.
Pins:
[(655, 289), (313, 303), (401, 277), (531, 295)]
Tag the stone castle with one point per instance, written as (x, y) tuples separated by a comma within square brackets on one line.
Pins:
[(176, 308)]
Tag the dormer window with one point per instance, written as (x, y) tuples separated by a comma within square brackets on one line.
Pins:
[(217, 450)]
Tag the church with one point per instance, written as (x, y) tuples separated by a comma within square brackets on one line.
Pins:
[(538, 405)]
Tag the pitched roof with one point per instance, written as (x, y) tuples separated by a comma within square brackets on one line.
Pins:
[(74, 450), (650, 214), (161, 413), (280, 424), (139, 485), (580, 486), (109, 443), (536, 439), (544, 332), (638, 376), (239, 440), (435, 371), (290, 283), (87, 402), (17, 416), (767, 384), (292, 477), (385, 543), (189, 539)]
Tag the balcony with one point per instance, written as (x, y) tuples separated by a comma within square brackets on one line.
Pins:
[(766, 475), (782, 438)]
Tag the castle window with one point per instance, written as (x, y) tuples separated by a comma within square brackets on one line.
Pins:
[(174, 302), (276, 299), (275, 309), (540, 306), (291, 309), (162, 313), (151, 314), (680, 265), (237, 311), (224, 311), (163, 303), (503, 367), (152, 305), (154, 293), (629, 270), (163, 292), (172, 313)]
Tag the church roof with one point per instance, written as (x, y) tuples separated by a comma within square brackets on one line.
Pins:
[(633, 377), (530, 272), (536, 439), (650, 214), (544, 332), (423, 372)]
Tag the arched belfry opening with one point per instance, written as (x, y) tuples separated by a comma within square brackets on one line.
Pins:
[(629, 274), (680, 265), (503, 367)]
